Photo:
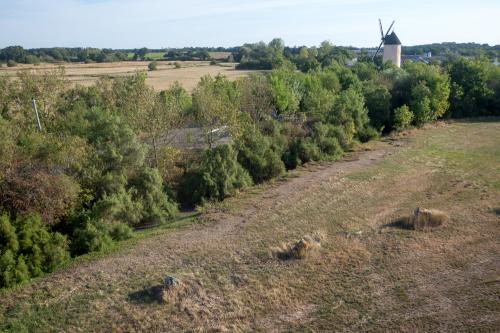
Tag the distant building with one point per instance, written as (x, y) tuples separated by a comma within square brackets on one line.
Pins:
[(194, 138), (416, 58), (425, 58), (352, 62), (392, 49)]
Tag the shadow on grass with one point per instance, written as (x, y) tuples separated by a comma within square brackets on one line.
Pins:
[(183, 216), (399, 223), (147, 296), (485, 119)]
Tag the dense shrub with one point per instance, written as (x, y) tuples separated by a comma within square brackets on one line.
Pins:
[(425, 89), (328, 137), (120, 231), (148, 191), (308, 150), (378, 102), (28, 189), (349, 112), (153, 65), (368, 133), (301, 150), (118, 207), (318, 95), (258, 156), (287, 90), (402, 117), (325, 142), (470, 94), (28, 249), (123, 188), (90, 238), (218, 176), (420, 104)]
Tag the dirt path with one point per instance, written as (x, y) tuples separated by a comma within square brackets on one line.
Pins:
[(225, 228)]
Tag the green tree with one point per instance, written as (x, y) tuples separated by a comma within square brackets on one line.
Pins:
[(287, 90), (168, 113), (378, 102), (470, 92), (153, 65), (317, 99), (13, 53), (141, 53), (216, 106), (425, 88), (256, 97), (420, 103), (349, 112)]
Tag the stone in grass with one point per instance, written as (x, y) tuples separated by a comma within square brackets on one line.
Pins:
[(172, 290), (170, 282), (423, 219)]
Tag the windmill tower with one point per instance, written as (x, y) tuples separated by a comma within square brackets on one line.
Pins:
[(392, 45)]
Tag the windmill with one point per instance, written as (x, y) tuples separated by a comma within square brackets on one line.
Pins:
[(392, 45)]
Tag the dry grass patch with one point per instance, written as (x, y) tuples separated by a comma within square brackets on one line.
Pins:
[(424, 219), (187, 295), (300, 249), (188, 73)]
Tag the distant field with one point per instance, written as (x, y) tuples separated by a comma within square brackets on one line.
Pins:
[(219, 55), (152, 55), (159, 55), (188, 75)]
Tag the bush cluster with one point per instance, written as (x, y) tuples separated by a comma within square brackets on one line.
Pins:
[(28, 249), (218, 176)]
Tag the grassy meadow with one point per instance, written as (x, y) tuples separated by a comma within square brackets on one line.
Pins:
[(368, 275)]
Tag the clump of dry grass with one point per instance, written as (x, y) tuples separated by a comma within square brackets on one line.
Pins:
[(423, 219), (299, 249), (186, 295)]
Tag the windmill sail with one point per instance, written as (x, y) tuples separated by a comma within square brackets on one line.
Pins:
[(383, 36)]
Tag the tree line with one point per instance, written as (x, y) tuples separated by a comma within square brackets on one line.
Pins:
[(455, 50), (102, 164), (249, 56), (17, 54)]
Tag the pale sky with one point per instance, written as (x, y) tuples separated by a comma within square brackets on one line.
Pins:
[(166, 23)]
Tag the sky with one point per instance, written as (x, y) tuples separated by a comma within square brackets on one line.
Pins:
[(168, 23)]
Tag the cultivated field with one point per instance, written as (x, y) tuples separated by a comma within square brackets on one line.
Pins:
[(370, 273), (188, 75)]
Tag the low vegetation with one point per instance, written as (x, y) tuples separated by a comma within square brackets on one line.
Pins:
[(423, 219), (153, 65), (298, 250), (102, 162), (366, 276)]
